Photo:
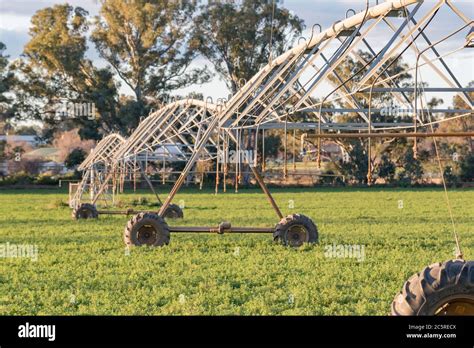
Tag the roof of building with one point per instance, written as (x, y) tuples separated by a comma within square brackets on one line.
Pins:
[(48, 153)]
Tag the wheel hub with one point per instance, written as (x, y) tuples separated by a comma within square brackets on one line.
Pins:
[(297, 235), (457, 306), (85, 213), (147, 235)]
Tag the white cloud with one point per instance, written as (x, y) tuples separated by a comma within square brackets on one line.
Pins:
[(15, 22)]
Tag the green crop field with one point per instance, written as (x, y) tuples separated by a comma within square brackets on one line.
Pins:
[(83, 267)]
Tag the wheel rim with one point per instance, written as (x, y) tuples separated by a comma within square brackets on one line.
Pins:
[(296, 235), (456, 305), (147, 235), (85, 213)]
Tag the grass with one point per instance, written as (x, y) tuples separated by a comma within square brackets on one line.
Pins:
[(83, 267)]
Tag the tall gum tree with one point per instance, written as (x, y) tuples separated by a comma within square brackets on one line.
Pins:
[(238, 37), (147, 42), (54, 69)]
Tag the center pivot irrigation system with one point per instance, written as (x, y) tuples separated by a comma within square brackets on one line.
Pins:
[(166, 136), (282, 95)]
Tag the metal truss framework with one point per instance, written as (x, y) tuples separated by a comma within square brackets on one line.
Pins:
[(95, 166), (283, 95), (179, 124), (284, 90), (167, 135)]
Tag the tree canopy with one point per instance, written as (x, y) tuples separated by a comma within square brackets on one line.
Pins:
[(147, 42), (239, 37)]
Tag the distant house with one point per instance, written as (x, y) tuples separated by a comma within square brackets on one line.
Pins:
[(49, 157), (329, 151), (43, 153), (332, 150), (168, 152), (31, 140)]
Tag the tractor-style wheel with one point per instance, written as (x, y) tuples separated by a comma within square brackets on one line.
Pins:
[(296, 229), (440, 289), (173, 212), (85, 211), (147, 229)]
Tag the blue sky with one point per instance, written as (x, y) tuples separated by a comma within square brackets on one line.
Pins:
[(15, 19)]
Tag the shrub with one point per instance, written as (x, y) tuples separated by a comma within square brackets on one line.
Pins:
[(449, 177), (20, 178), (45, 179), (467, 169), (386, 169), (412, 170)]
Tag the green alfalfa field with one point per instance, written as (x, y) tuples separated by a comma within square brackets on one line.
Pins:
[(83, 267)]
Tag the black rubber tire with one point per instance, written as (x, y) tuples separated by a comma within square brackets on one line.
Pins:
[(147, 229), (85, 211), (296, 224), (173, 212), (426, 292)]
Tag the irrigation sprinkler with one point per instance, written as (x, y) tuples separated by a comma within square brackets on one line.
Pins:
[(263, 100), (95, 167), (391, 135), (165, 136), (443, 288), (292, 79)]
